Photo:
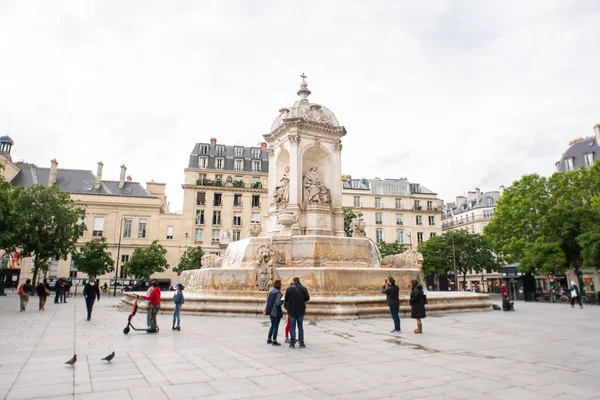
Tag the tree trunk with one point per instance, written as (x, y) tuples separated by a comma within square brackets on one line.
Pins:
[(464, 285), (35, 270)]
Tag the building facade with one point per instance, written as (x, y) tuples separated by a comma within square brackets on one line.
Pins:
[(225, 191), (394, 210)]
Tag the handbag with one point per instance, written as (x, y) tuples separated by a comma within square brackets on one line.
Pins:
[(573, 293), (47, 292), (20, 291)]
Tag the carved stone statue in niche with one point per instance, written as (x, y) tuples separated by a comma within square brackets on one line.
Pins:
[(282, 191), (314, 190), (264, 271), (229, 181)]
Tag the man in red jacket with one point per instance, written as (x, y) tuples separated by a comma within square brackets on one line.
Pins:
[(154, 306)]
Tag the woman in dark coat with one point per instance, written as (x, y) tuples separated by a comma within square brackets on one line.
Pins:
[(417, 304)]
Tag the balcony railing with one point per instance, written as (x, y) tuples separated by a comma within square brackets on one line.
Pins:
[(235, 184), (449, 224)]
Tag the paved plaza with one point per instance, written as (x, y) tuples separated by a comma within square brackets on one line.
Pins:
[(540, 351)]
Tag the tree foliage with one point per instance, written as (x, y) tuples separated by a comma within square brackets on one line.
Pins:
[(146, 261), (191, 259), (472, 253), (93, 258), (51, 224), (349, 215), (9, 219), (388, 249)]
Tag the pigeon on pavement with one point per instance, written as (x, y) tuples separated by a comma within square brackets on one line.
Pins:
[(109, 357), (72, 361)]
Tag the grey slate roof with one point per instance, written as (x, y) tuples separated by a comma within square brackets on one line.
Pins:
[(577, 151), (389, 187), (229, 154), (486, 199), (75, 181)]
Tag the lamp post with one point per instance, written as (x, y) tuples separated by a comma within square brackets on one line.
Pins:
[(118, 254)]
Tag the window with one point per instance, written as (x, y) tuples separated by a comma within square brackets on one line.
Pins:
[(377, 202), (255, 201), (199, 217), (255, 165), (127, 224), (239, 164), (398, 204), (419, 237), (400, 237), (419, 220), (216, 218), (255, 153), (417, 204), (589, 159), (142, 227), (378, 219), (169, 232), (220, 150), (216, 235), (219, 163), (431, 220), (257, 184), (489, 201), (432, 234), (238, 151), (200, 198), (356, 201), (379, 235), (201, 179), (237, 235), (98, 226), (429, 205), (204, 149), (467, 218), (219, 179), (355, 184), (124, 259), (198, 234), (399, 219), (202, 162), (237, 218), (569, 164), (255, 217), (237, 200), (217, 200), (488, 214)]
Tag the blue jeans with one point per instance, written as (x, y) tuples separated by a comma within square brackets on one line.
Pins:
[(274, 327), (176, 315), (394, 312), (298, 320)]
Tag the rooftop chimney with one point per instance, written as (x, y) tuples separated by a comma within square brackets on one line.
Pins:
[(52, 173), (478, 193), (597, 133), (501, 189), (129, 178), (213, 140), (99, 176), (263, 145), (123, 173)]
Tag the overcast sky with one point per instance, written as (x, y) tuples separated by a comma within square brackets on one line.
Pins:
[(450, 94)]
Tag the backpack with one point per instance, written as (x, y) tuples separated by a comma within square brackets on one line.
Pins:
[(20, 292), (270, 302)]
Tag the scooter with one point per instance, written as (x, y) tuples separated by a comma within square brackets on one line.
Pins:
[(131, 315)]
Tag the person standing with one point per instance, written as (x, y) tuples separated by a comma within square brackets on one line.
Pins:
[(43, 290), (24, 293), (505, 297), (58, 289), (417, 304), (575, 296), (296, 297), (178, 300), (91, 291), (274, 311), (288, 324), (154, 306), (392, 298)]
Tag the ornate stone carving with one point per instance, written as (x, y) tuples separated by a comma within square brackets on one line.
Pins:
[(314, 190), (270, 152), (264, 271), (294, 138), (226, 235), (211, 261), (229, 181), (281, 196), (287, 218), (358, 227), (254, 229), (408, 259), (338, 146)]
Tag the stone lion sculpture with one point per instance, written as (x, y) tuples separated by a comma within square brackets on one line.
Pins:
[(211, 261), (408, 259), (264, 271), (358, 227)]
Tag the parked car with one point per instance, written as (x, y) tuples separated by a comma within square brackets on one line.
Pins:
[(142, 286)]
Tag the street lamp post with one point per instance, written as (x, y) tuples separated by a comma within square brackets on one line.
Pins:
[(454, 261), (118, 254)]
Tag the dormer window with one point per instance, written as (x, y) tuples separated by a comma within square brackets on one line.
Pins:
[(202, 162), (239, 164), (220, 150), (204, 149), (256, 166), (255, 153), (219, 163), (569, 164), (239, 151), (355, 184), (589, 159)]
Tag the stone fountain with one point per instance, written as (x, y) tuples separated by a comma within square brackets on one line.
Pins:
[(305, 235)]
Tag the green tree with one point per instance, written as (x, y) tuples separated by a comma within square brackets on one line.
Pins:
[(9, 219), (388, 249), (349, 215), (93, 258), (191, 259), (146, 261), (437, 256), (52, 223)]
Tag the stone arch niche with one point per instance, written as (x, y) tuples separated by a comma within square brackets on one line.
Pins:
[(317, 182)]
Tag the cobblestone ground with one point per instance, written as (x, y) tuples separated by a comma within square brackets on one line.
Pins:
[(539, 351)]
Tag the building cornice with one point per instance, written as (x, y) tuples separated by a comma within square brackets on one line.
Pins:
[(301, 123)]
